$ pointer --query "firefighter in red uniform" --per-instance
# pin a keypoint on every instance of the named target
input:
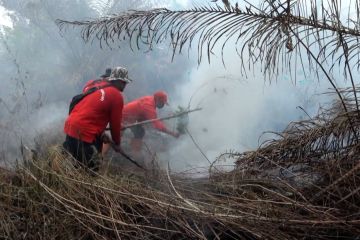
(88, 119)
(142, 109)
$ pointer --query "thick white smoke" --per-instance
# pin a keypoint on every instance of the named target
(236, 110)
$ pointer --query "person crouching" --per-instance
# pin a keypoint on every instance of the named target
(86, 123)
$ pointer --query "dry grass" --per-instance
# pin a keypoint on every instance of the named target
(302, 185)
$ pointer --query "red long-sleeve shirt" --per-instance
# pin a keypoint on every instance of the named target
(91, 115)
(142, 109)
(94, 83)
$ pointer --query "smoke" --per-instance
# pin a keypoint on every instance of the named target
(238, 110)
(5, 20)
(42, 69)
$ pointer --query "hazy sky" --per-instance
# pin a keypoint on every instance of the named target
(4, 18)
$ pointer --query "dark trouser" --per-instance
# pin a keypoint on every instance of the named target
(138, 131)
(136, 142)
(85, 153)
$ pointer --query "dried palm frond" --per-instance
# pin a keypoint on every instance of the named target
(317, 157)
(269, 30)
(42, 202)
(314, 33)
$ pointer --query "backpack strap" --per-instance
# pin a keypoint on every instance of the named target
(96, 81)
(93, 89)
(76, 99)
